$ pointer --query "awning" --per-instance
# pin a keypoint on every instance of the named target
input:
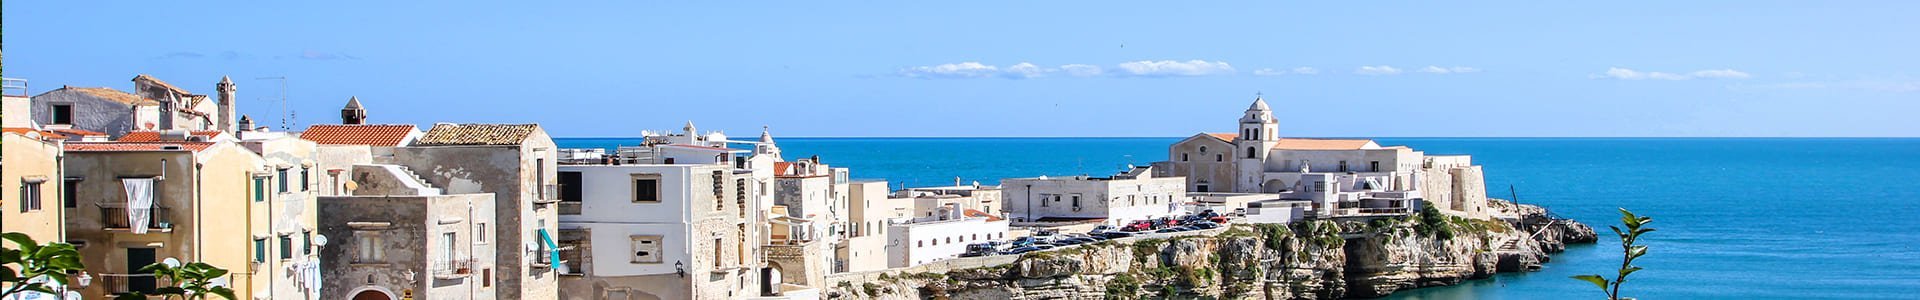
(553, 254)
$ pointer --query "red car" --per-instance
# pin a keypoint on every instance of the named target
(1142, 225)
(1218, 219)
(1168, 222)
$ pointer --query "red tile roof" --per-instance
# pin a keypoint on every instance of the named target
(137, 146)
(780, 168)
(1305, 144)
(977, 213)
(476, 134)
(154, 135)
(1322, 144)
(370, 135)
(25, 131)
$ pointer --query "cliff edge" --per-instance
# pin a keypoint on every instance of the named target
(1320, 259)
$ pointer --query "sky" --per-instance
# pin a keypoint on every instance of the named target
(1017, 68)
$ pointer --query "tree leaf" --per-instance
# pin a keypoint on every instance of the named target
(1627, 271)
(1595, 279)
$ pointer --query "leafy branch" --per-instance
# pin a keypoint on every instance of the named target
(37, 265)
(1636, 226)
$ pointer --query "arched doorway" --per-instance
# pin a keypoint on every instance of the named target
(371, 295)
(1275, 186)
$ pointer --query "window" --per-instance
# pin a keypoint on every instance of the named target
(259, 189)
(480, 233)
(29, 196)
(1373, 166)
(1343, 166)
(1183, 157)
(719, 191)
(1043, 199)
(286, 246)
(540, 177)
(646, 249)
(304, 181)
(919, 243)
(70, 192)
(718, 260)
(1219, 157)
(1076, 200)
(1250, 152)
(740, 196)
(570, 189)
(1203, 149)
(259, 250)
(445, 257)
(62, 114)
(306, 242)
(372, 248)
(646, 188)
(283, 180)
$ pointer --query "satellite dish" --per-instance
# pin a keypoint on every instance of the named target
(171, 262)
(320, 240)
(220, 282)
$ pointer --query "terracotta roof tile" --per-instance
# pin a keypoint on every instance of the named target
(156, 81)
(780, 168)
(44, 134)
(154, 135)
(371, 135)
(476, 134)
(977, 213)
(1322, 144)
(137, 146)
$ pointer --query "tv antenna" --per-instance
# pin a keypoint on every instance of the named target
(284, 117)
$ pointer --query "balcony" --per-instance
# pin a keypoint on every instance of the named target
(114, 217)
(127, 283)
(450, 269)
(571, 208)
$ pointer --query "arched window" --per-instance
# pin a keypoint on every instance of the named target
(1250, 152)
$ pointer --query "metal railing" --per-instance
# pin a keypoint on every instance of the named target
(8, 85)
(127, 283)
(114, 216)
(457, 267)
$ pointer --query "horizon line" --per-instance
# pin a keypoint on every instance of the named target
(1307, 137)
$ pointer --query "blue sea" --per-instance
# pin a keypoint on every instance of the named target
(1737, 218)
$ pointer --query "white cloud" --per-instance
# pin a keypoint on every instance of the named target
(1376, 70)
(1024, 70)
(1721, 73)
(960, 70)
(1447, 70)
(1196, 67)
(1630, 74)
(1079, 70)
(1293, 71)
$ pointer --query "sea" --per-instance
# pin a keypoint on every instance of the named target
(1736, 218)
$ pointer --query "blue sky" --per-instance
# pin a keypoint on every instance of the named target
(1022, 68)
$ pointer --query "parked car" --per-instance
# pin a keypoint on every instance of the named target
(1168, 222)
(980, 249)
(1167, 230)
(1120, 234)
(1207, 225)
(1021, 250)
(1141, 225)
(1025, 241)
(1097, 230)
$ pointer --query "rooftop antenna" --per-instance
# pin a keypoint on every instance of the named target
(284, 126)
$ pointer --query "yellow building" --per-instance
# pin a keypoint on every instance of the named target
(193, 197)
(30, 185)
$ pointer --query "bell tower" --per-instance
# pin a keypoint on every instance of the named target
(227, 121)
(1259, 133)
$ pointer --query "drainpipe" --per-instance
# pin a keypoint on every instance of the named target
(198, 241)
(253, 181)
(60, 173)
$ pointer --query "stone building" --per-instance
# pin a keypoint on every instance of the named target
(1359, 175)
(154, 105)
(34, 196)
(810, 218)
(515, 163)
(1134, 195)
(396, 237)
(353, 142)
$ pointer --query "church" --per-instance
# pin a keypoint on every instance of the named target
(1342, 176)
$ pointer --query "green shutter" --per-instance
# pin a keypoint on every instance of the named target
(553, 257)
(259, 189)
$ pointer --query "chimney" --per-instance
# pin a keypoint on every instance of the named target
(353, 114)
(246, 123)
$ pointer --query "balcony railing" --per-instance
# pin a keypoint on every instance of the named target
(114, 216)
(453, 268)
(127, 283)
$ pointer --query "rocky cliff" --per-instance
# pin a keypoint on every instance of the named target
(1322, 259)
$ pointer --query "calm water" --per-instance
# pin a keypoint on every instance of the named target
(1737, 218)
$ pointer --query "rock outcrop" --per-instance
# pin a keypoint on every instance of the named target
(1322, 259)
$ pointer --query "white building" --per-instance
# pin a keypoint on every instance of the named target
(1135, 195)
(944, 237)
(1359, 175)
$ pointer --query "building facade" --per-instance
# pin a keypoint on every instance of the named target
(34, 196)
(659, 231)
(1130, 196)
(515, 163)
(396, 237)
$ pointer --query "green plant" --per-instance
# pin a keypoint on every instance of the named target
(37, 264)
(1636, 226)
(190, 281)
(1148, 250)
(871, 289)
(1122, 286)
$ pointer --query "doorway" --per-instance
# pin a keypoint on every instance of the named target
(138, 258)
